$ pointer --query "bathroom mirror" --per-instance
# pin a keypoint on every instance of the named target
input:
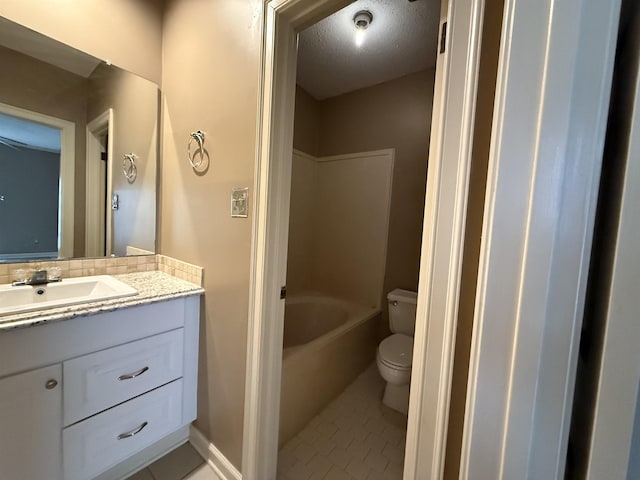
(78, 152)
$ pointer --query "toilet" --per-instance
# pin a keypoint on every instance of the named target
(396, 351)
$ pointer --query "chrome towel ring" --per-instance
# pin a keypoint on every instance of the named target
(198, 136)
(129, 168)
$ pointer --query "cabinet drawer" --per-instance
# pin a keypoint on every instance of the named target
(100, 380)
(92, 446)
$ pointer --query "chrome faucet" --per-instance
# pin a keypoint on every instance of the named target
(38, 277)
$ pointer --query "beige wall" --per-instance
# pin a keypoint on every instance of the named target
(43, 88)
(127, 32)
(210, 82)
(306, 129)
(395, 114)
(134, 101)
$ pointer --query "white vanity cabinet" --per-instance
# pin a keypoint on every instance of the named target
(78, 397)
(30, 422)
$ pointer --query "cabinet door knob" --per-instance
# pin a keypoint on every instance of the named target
(51, 384)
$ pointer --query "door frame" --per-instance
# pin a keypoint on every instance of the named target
(551, 109)
(444, 223)
(103, 123)
(615, 420)
(67, 172)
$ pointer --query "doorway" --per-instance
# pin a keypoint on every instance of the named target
(362, 120)
(98, 220)
(440, 264)
(37, 194)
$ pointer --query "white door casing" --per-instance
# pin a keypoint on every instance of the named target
(450, 155)
(95, 234)
(616, 403)
(554, 82)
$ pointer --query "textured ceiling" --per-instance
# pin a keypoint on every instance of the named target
(401, 39)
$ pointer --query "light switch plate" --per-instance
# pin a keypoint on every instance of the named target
(240, 202)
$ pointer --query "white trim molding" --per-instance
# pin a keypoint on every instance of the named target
(95, 246)
(552, 96)
(222, 467)
(614, 437)
(450, 155)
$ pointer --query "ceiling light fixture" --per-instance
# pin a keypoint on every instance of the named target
(361, 20)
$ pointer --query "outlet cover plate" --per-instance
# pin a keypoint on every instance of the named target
(240, 202)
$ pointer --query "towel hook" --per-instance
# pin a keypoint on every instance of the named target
(198, 136)
(129, 168)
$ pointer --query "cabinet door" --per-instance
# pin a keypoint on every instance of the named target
(31, 425)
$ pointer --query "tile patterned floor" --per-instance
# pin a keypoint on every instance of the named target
(354, 437)
(183, 463)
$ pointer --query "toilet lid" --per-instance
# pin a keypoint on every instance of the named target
(397, 350)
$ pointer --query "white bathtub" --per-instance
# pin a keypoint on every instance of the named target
(327, 343)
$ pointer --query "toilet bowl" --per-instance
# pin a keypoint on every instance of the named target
(396, 351)
(394, 364)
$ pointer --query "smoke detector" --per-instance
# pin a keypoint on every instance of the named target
(362, 19)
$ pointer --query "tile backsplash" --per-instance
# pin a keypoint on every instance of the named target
(109, 266)
(183, 270)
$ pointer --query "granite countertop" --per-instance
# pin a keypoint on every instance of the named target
(152, 287)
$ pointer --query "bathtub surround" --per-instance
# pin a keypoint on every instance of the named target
(338, 225)
(339, 219)
(395, 114)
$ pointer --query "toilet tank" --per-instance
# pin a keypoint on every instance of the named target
(402, 311)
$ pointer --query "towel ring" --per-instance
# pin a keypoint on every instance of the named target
(129, 168)
(198, 136)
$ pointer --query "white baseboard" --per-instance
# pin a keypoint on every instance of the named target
(214, 457)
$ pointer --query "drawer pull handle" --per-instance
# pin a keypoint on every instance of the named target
(129, 376)
(133, 432)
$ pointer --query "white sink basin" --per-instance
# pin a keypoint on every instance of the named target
(69, 291)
